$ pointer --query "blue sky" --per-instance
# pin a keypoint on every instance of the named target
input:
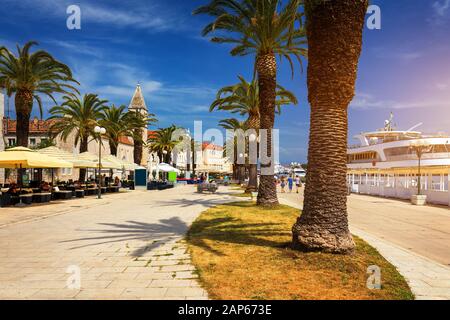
(404, 68)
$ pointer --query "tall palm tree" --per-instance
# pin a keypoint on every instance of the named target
(139, 124)
(28, 76)
(163, 144)
(334, 35)
(243, 98)
(238, 127)
(118, 123)
(77, 116)
(263, 28)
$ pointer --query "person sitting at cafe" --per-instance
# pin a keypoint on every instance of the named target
(117, 182)
(77, 185)
(45, 186)
(13, 190)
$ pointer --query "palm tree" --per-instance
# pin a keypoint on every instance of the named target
(163, 144)
(118, 123)
(28, 76)
(77, 116)
(243, 98)
(238, 127)
(139, 123)
(335, 36)
(263, 28)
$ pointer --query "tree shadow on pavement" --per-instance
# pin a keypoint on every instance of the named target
(155, 234)
(185, 203)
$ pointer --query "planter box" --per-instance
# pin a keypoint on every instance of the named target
(419, 200)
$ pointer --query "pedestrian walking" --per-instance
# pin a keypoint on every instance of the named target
(290, 184)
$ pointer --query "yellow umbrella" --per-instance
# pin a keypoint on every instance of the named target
(123, 164)
(67, 156)
(106, 164)
(25, 158)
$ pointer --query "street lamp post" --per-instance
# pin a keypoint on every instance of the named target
(100, 131)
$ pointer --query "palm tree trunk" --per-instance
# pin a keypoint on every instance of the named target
(83, 148)
(113, 148)
(24, 105)
(266, 66)
(334, 30)
(138, 148)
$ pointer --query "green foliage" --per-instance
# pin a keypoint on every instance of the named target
(243, 98)
(37, 73)
(258, 27)
(79, 115)
(163, 143)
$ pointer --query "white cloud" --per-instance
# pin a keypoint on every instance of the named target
(441, 7)
(395, 54)
(149, 16)
(364, 101)
(440, 12)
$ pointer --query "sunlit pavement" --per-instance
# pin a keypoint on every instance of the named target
(125, 246)
(415, 239)
(128, 246)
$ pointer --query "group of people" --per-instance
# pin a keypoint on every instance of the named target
(290, 182)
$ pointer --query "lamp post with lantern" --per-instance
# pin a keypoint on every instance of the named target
(99, 131)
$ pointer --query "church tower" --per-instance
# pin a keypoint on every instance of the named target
(138, 105)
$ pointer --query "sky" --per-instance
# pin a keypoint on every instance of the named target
(404, 67)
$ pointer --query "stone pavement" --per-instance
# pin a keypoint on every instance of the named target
(127, 246)
(401, 233)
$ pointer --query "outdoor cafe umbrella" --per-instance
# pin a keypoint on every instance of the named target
(164, 167)
(106, 164)
(67, 156)
(24, 158)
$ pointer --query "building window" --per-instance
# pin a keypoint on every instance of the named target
(32, 141)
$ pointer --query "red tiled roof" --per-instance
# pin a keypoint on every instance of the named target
(36, 126)
(211, 146)
(151, 134)
(126, 140)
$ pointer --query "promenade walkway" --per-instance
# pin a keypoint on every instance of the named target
(125, 246)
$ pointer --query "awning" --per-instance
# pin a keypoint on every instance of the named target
(164, 167)
(67, 156)
(21, 157)
(123, 164)
(106, 164)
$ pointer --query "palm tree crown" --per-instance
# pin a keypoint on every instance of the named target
(119, 123)
(258, 27)
(29, 75)
(79, 115)
(243, 98)
(162, 143)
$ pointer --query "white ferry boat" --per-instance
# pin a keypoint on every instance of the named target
(386, 163)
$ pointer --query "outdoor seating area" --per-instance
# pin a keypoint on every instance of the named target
(25, 192)
(11, 195)
(159, 185)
